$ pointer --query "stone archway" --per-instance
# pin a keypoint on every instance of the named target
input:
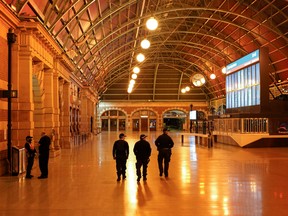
(144, 119)
(113, 120)
(175, 119)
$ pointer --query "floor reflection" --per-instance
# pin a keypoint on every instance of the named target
(223, 180)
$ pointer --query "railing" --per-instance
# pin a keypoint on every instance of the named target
(241, 125)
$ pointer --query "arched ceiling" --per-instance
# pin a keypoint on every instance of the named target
(102, 39)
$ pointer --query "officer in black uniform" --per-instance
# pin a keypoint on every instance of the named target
(30, 153)
(44, 147)
(164, 144)
(120, 153)
(142, 151)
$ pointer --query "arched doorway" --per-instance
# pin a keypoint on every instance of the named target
(175, 120)
(113, 120)
(144, 120)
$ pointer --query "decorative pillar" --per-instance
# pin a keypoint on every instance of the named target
(83, 108)
(65, 115)
(48, 105)
(38, 92)
(23, 106)
(56, 111)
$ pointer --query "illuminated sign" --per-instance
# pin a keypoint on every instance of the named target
(245, 61)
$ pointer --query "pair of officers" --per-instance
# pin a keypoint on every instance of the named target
(44, 146)
(142, 151)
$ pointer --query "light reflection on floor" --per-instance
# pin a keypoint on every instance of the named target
(223, 180)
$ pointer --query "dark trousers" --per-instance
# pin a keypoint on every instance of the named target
(164, 154)
(139, 164)
(30, 162)
(121, 166)
(43, 165)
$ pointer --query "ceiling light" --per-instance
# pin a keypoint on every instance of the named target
(136, 70)
(183, 90)
(152, 24)
(132, 82)
(140, 57)
(212, 76)
(145, 44)
(134, 76)
(129, 90)
(187, 88)
(224, 70)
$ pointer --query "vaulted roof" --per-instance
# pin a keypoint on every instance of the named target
(102, 39)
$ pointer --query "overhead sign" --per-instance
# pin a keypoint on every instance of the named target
(249, 59)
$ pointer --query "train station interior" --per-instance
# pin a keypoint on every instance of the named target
(214, 73)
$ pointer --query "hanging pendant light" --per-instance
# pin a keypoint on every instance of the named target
(212, 76)
(152, 24)
(134, 76)
(136, 70)
(145, 44)
(140, 57)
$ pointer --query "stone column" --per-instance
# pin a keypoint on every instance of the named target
(56, 110)
(83, 108)
(65, 123)
(38, 92)
(61, 113)
(23, 106)
(48, 108)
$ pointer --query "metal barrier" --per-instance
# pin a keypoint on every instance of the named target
(18, 160)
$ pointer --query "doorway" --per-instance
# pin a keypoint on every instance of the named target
(144, 124)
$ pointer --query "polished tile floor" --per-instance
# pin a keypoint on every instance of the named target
(223, 180)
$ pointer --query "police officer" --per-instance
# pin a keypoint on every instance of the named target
(142, 151)
(164, 144)
(44, 146)
(30, 153)
(120, 153)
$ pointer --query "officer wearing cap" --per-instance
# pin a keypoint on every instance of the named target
(164, 144)
(30, 154)
(120, 153)
(142, 151)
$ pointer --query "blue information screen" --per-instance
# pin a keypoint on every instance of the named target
(243, 82)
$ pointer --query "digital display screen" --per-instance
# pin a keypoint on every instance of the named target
(243, 82)
(245, 61)
(243, 87)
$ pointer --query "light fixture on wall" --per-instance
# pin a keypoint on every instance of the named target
(145, 44)
(152, 24)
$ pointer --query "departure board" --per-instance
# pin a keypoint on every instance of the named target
(243, 87)
(243, 82)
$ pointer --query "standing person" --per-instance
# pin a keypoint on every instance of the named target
(164, 144)
(30, 153)
(44, 145)
(120, 154)
(142, 151)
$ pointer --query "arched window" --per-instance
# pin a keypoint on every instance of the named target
(113, 120)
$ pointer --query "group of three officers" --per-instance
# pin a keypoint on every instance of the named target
(142, 151)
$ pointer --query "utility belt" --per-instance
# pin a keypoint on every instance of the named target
(164, 149)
